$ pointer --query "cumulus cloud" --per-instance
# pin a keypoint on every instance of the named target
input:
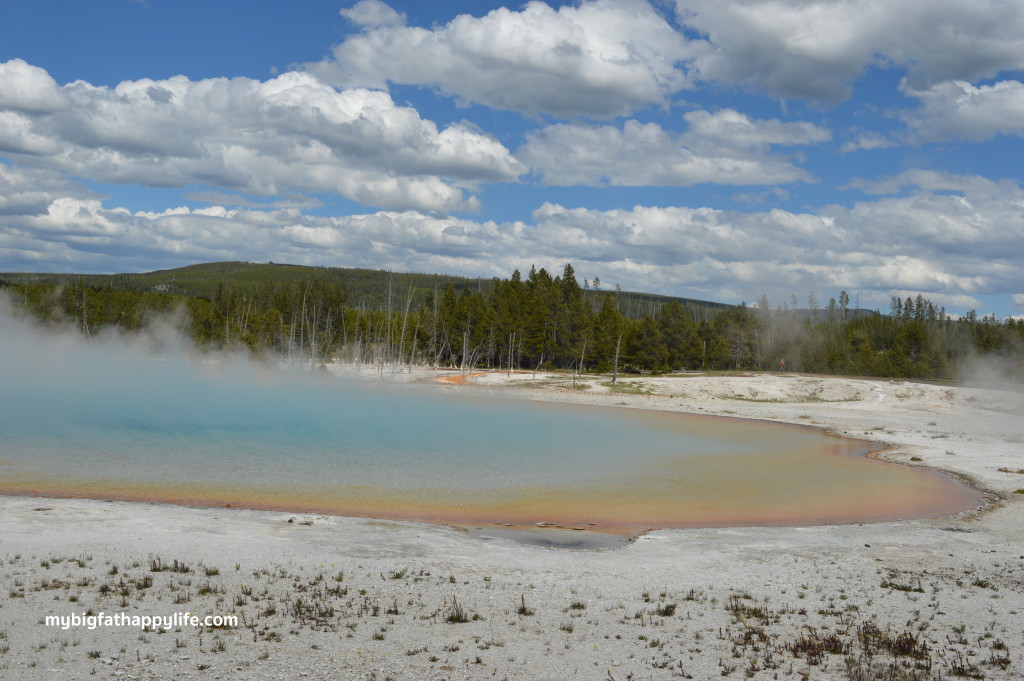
(26, 192)
(52, 224)
(290, 133)
(935, 181)
(373, 14)
(725, 147)
(869, 140)
(601, 58)
(814, 50)
(28, 88)
(729, 128)
(950, 237)
(607, 58)
(949, 248)
(959, 110)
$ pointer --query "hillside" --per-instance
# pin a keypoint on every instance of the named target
(540, 320)
(365, 288)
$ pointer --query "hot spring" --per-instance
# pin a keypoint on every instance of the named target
(106, 421)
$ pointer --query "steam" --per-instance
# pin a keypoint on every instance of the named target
(988, 371)
(131, 401)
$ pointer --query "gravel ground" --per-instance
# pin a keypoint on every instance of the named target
(325, 597)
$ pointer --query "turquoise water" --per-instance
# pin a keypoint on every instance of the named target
(175, 422)
(105, 419)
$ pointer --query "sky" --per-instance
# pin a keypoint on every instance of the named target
(714, 149)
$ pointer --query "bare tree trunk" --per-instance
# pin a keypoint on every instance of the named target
(387, 331)
(405, 321)
(615, 367)
(415, 335)
(577, 370)
(302, 326)
(511, 352)
(312, 336)
(85, 316)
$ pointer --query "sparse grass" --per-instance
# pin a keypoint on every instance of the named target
(628, 388)
(836, 627)
(456, 614)
(157, 565)
(896, 586)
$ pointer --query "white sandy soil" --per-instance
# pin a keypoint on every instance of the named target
(348, 598)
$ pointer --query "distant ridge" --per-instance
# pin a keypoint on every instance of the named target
(365, 287)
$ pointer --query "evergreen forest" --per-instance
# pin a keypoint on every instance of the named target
(536, 321)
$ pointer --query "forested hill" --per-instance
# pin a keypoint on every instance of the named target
(364, 288)
(536, 320)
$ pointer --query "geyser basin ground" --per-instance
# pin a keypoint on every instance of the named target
(119, 425)
(829, 579)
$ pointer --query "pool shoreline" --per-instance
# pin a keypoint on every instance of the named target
(669, 602)
(518, 525)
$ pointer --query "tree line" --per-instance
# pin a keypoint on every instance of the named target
(539, 321)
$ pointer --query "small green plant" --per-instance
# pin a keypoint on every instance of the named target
(457, 614)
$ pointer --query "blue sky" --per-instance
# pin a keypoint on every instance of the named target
(719, 149)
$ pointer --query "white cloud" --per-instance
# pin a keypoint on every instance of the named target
(24, 87)
(934, 181)
(814, 50)
(956, 109)
(373, 14)
(869, 140)
(606, 58)
(1018, 299)
(952, 238)
(25, 192)
(725, 147)
(729, 128)
(290, 133)
(225, 199)
(601, 58)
